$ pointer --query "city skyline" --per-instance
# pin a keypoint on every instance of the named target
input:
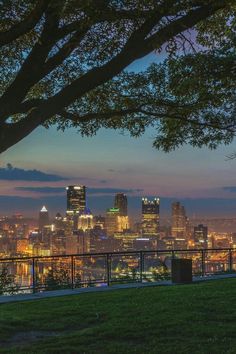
(101, 199)
(165, 176)
(201, 178)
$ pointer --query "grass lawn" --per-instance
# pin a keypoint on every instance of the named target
(198, 318)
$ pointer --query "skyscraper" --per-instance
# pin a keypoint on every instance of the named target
(85, 221)
(121, 203)
(58, 221)
(200, 235)
(122, 223)
(179, 220)
(112, 221)
(150, 217)
(76, 199)
(43, 218)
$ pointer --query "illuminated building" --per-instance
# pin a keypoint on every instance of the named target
(43, 218)
(143, 243)
(121, 203)
(127, 240)
(25, 230)
(98, 239)
(150, 217)
(220, 240)
(180, 243)
(41, 250)
(166, 243)
(69, 224)
(83, 241)
(58, 221)
(112, 221)
(85, 221)
(22, 245)
(179, 220)
(58, 243)
(200, 234)
(71, 244)
(76, 199)
(233, 239)
(35, 236)
(122, 223)
(131, 241)
(99, 221)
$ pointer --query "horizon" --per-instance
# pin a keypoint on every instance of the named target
(201, 178)
(100, 199)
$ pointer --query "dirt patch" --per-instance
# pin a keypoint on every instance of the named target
(22, 338)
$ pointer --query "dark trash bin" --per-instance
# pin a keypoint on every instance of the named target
(181, 270)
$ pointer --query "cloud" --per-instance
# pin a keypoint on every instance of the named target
(11, 173)
(204, 207)
(30, 206)
(90, 191)
(103, 181)
(112, 190)
(195, 207)
(43, 190)
(231, 189)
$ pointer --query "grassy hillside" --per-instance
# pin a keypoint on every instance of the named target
(198, 318)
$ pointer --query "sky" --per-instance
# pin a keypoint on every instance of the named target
(44, 163)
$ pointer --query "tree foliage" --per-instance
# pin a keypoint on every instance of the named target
(8, 283)
(64, 63)
(57, 278)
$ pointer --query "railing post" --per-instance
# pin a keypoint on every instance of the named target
(141, 266)
(230, 260)
(203, 262)
(108, 268)
(72, 272)
(33, 275)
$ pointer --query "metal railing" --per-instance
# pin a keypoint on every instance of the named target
(39, 273)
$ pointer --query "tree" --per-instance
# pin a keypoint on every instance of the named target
(8, 283)
(57, 278)
(64, 63)
(161, 273)
(78, 280)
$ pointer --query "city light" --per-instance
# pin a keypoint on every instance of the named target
(79, 231)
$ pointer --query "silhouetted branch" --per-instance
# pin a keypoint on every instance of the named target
(25, 25)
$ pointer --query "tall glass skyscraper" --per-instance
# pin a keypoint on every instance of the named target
(76, 199)
(150, 217)
(121, 203)
(179, 220)
(43, 218)
(200, 236)
(112, 221)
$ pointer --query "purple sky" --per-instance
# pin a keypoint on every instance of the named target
(114, 161)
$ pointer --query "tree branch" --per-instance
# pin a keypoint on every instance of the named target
(180, 25)
(101, 115)
(119, 114)
(31, 69)
(26, 25)
(141, 42)
(63, 52)
(136, 47)
(228, 128)
(12, 133)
